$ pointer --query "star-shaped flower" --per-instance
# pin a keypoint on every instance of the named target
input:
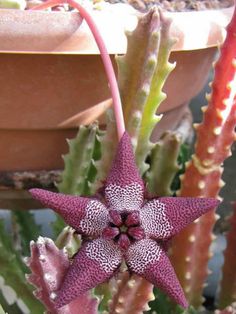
(126, 226)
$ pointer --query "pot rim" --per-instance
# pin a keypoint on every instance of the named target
(63, 32)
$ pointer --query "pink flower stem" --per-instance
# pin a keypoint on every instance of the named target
(104, 54)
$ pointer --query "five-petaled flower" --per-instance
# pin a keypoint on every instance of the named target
(125, 226)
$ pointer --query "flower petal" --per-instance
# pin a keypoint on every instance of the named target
(87, 216)
(154, 220)
(147, 259)
(164, 217)
(124, 187)
(95, 263)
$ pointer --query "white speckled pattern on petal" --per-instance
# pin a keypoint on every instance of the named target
(129, 197)
(141, 254)
(106, 253)
(154, 220)
(95, 220)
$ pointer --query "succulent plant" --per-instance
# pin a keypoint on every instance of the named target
(121, 218)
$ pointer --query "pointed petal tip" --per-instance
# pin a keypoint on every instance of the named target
(94, 264)
(208, 202)
(183, 303)
(40, 194)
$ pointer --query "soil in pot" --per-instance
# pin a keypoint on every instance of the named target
(178, 5)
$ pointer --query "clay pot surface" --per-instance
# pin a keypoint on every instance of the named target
(51, 76)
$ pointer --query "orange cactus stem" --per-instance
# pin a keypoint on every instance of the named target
(190, 252)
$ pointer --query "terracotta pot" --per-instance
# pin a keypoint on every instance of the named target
(51, 75)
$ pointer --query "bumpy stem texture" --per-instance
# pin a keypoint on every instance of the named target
(163, 161)
(136, 69)
(130, 295)
(78, 161)
(155, 94)
(228, 282)
(142, 74)
(203, 174)
(49, 265)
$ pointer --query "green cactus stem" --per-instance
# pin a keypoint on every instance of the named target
(142, 72)
(130, 295)
(190, 252)
(49, 265)
(163, 164)
(155, 95)
(228, 282)
(13, 4)
(78, 161)
(136, 69)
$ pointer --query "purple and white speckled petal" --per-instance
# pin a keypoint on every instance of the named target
(154, 220)
(147, 259)
(85, 215)
(95, 263)
(124, 177)
(181, 211)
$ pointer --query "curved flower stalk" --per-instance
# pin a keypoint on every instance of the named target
(215, 136)
(228, 282)
(123, 227)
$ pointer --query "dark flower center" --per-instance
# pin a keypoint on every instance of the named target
(124, 228)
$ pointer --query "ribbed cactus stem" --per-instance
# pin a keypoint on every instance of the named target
(142, 73)
(163, 164)
(78, 161)
(155, 95)
(136, 69)
(215, 136)
(130, 295)
(228, 282)
(49, 265)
